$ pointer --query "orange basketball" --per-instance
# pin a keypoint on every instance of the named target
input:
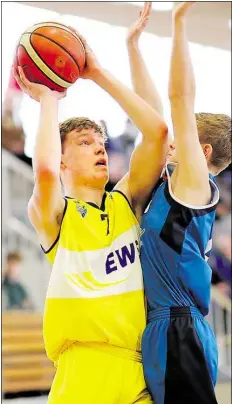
(51, 54)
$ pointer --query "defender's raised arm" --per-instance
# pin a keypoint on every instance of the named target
(142, 82)
(192, 183)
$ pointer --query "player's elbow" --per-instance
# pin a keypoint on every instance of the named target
(161, 132)
(45, 174)
(46, 177)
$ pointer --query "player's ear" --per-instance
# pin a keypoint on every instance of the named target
(62, 163)
(208, 150)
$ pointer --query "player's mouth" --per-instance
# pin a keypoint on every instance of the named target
(101, 163)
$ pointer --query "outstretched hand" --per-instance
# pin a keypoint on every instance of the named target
(34, 90)
(92, 66)
(138, 26)
(182, 9)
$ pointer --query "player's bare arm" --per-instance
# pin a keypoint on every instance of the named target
(142, 82)
(148, 159)
(191, 182)
(46, 205)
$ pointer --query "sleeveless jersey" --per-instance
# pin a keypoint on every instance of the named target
(175, 246)
(95, 293)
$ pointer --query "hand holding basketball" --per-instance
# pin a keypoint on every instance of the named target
(35, 91)
(137, 28)
(182, 9)
(92, 66)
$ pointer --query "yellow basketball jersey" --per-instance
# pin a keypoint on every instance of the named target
(95, 293)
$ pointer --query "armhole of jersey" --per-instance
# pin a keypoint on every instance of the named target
(157, 185)
(211, 205)
(125, 197)
(58, 236)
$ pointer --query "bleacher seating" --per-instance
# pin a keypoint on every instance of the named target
(25, 366)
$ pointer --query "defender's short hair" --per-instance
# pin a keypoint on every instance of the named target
(215, 129)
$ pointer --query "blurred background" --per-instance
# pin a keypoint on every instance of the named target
(27, 374)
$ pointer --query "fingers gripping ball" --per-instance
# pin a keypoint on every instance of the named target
(51, 54)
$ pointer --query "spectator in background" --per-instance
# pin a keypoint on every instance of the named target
(117, 158)
(17, 297)
(220, 259)
(220, 262)
(127, 140)
(13, 99)
(13, 137)
(117, 165)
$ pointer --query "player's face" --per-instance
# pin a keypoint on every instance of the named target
(172, 157)
(85, 159)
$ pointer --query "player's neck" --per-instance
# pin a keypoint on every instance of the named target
(86, 193)
(213, 171)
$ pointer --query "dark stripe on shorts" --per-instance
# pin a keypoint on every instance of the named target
(187, 378)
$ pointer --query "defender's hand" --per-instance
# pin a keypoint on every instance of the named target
(34, 90)
(182, 9)
(92, 66)
(137, 28)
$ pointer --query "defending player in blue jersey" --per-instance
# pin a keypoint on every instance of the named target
(179, 348)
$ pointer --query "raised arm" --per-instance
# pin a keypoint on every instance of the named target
(192, 181)
(149, 157)
(142, 82)
(46, 204)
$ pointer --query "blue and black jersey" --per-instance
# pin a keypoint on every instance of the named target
(176, 244)
(178, 346)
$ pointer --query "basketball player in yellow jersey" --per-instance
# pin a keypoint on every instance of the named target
(94, 313)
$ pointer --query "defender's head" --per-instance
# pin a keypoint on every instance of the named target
(84, 160)
(214, 132)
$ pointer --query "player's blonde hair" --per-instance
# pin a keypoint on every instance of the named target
(215, 129)
(79, 124)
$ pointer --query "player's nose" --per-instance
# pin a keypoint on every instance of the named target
(99, 149)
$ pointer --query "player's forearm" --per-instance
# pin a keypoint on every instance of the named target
(47, 151)
(142, 83)
(182, 98)
(147, 120)
(181, 80)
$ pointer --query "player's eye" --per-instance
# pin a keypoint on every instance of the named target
(84, 142)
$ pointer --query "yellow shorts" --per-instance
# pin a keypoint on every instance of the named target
(98, 374)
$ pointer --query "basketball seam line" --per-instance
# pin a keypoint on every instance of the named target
(52, 40)
(49, 72)
(47, 66)
(62, 27)
(71, 82)
(41, 70)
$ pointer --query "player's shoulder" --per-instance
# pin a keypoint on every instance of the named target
(121, 192)
(188, 198)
